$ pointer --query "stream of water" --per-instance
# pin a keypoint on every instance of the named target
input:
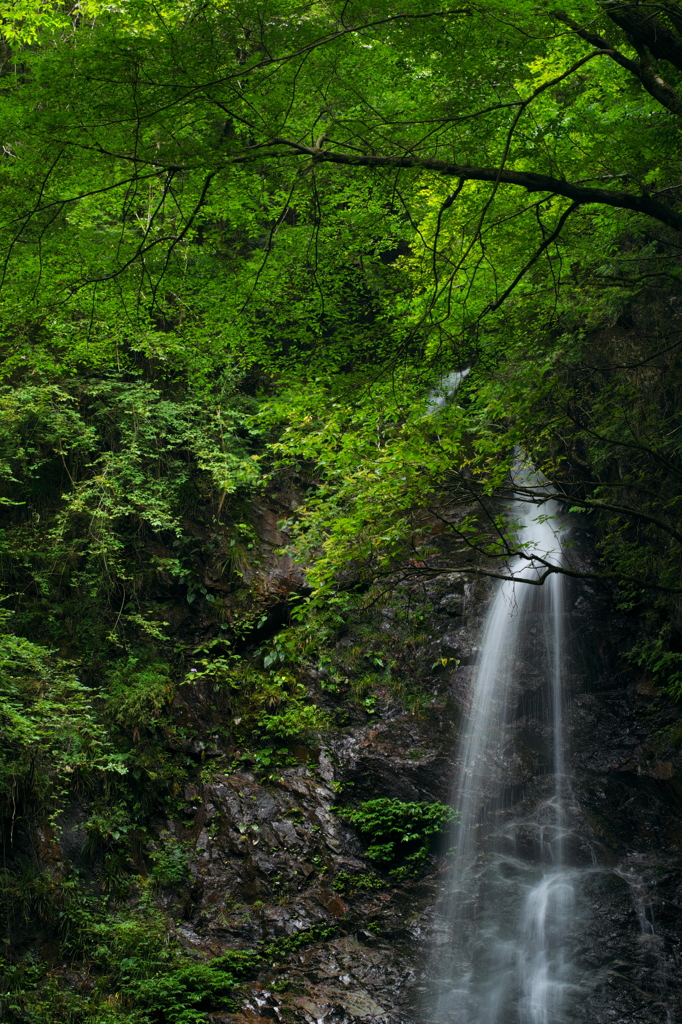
(521, 973)
(528, 905)
(510, 893)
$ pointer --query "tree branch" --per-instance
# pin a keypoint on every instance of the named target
(603, 506)
(534, 258)
(653, 83)
(524, 179)
(550, 570)
(642, 28)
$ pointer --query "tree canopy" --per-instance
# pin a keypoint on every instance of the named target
(351, 202)
(236, 177)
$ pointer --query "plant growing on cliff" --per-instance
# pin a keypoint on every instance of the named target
(170, 860)
(400, 835)
(295, 720)
(48, 728)
(135, 972)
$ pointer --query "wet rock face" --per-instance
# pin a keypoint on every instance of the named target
(267, 853)
(626, 770)
(627, 788)
(266, 857)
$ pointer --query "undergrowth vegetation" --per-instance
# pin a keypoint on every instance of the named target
(128, 967)
(400, 835)
(132, 580)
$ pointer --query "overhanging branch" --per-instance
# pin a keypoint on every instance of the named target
(528, 180)
(654, 84)
(601, 506)
(432, 572)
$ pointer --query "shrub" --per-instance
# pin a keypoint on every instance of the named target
(400, 834)
(183, 993)
(137, 691)
(296, 719)
(171, 862)
(347, 883)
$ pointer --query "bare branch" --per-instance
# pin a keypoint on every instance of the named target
(433, 572)
(536, 255)
(605, 506)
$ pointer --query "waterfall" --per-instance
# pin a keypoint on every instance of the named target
(547, 913)
(510, 894)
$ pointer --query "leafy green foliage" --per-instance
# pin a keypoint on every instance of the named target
(400, 835)
(182, 229)
(104, 466)
(136, 692)
(138, 974)
(271, 704)
(281, 948)
(171, 861)
(182, 995)
(297, 719)
(347, 883)
(48, 728)
(665, 665)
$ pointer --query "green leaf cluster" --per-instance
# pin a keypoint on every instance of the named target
(400, 835)
(138, 975)
(247, 251)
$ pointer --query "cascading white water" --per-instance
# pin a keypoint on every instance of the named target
(524, 932)
(510, 893)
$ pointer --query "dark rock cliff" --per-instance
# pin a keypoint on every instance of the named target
(273, 862)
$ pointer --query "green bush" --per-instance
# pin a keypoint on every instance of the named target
(171, 862)
(137, 692)
(294, 720)
(137, 974)
(182, 993)
(665, 665)
(400, 834)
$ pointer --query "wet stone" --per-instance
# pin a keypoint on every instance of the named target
(394, 956)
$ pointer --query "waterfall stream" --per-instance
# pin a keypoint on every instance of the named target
(538, 923)
(510, 893)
